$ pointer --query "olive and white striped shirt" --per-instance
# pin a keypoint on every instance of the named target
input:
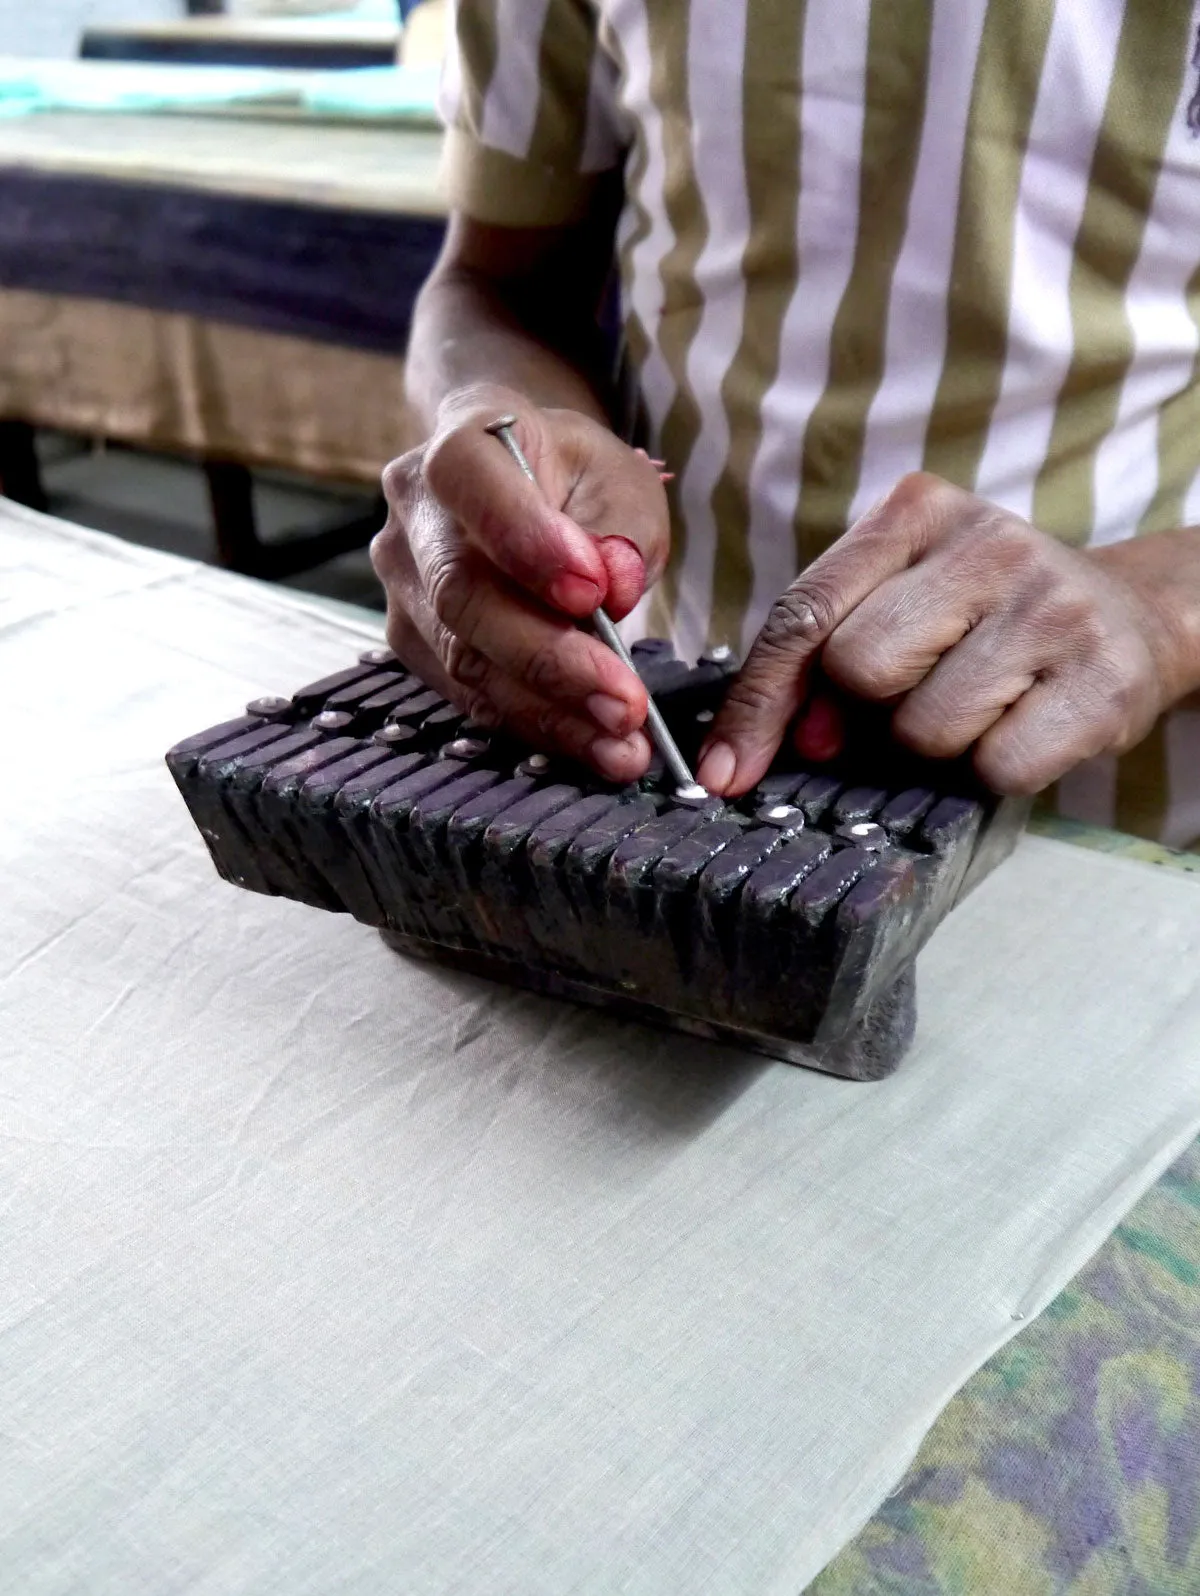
(867, 236)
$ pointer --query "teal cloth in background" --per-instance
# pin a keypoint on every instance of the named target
(404, 94)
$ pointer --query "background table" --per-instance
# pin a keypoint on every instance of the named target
(317, 42)
(235, 289)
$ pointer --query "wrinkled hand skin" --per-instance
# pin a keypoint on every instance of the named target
(981, 631)
(487, 576)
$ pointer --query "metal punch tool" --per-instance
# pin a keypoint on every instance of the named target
(686, 783)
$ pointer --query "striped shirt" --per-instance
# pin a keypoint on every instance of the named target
(863, 237)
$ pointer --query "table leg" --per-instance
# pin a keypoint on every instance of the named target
(239, 547)
(20, 475)
(231, 499)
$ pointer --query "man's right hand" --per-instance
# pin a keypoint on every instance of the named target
(486, 575)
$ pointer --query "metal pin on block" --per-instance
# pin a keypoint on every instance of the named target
(331, 720)
(863, 834)
(657, 727)
(269, 704)
(784, 817)
(465, 748)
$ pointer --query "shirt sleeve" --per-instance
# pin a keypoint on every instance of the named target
(529, 99)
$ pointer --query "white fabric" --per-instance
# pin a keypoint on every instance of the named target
(322, 1271)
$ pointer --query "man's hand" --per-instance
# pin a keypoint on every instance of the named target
(979, 629)
(486, 575)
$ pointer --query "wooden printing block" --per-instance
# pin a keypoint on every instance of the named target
(442, 724)
(816, 796)
(906, 810)
(183, 761)
(448, 912)
(351, 869)
(636, 961)
(718, 898)
(586, 863)
(765, 978)
(857, 803)
(313, 826)
(676, 915)
(309, 700)
(276, 807)
(553, 921)
(463, 840)
(415, 708)
(505, 877)
(234, 853)
(733, 924)
(389, 861)
(238, 786)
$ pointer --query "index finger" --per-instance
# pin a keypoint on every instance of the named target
(772, 685)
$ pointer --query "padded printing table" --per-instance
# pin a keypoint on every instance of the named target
(236, 289)
(324, 1270)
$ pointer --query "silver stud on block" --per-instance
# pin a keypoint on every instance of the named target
(465, 748)
(269, 704)
(784, 817)
(864, 834)
(722, 654)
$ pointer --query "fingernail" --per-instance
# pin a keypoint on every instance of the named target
(575, 594)
(717, 766)
(818, 732)
(626, 569)
(616, 757)
(608, 711)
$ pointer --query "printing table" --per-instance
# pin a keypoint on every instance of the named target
(304, 42)
(319, 1271)
(238, 290)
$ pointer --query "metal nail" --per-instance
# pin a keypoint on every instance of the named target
(864, 834)
(655, 725)
(465, 748)
(269, 704)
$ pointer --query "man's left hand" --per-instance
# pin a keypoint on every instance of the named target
(979, 629)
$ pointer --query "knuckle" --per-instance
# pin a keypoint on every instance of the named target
(400, 477)
(544, 671)
(1065, 612)
(801, 618)
(861, 661)
(924, 499)
(1020, 550)
(448, 587)
(927, 730)
(383, 551)
(442, 465)
(919, 490)
(463, 664)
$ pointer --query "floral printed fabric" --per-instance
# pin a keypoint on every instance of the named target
(1070, 1464)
